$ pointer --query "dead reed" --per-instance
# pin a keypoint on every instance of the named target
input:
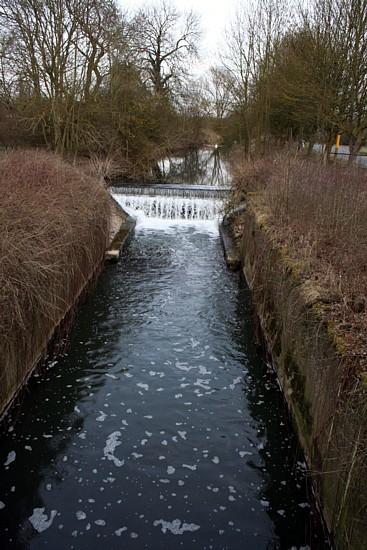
(54, 224)
(319, 214)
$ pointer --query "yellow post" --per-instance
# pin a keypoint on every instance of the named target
(337, 143)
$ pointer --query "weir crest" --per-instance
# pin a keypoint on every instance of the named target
(172, 202)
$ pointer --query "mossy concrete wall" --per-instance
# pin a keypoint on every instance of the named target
(327, 402)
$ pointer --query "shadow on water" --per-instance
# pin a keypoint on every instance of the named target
(46, 417)
(287, 489)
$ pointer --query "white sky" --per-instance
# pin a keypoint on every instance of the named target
(215, 16)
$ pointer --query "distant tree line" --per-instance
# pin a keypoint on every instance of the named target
(81, 76)
(291, 72)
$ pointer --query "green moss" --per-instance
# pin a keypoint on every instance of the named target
(277, 345)
(364, 380)
(297, 383)
(292, 266)
(337, 339)
(318, 309)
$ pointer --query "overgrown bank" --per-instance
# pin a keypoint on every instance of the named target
(302, 241)
(54, 228)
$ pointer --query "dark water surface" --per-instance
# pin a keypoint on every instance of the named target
(199, 167)
(161, 427)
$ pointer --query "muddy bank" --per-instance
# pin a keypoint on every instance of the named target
(327, 401)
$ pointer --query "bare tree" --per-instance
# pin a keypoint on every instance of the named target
(167, 41)
(239, 61)
(218, 90)
(6, 79)
(249, 57)
(60, 55)
(325, 71)
(82, 76)
(353, 84)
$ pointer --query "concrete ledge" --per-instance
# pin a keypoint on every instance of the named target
(123, 226)
(231, 252)
(112, 255)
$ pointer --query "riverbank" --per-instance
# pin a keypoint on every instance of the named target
(54, 230)
(302, 246)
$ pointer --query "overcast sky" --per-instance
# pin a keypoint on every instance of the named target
(215, 15)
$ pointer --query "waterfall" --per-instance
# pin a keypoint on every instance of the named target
(170, 207)
(173, 190)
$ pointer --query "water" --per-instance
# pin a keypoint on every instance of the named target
(161, 427)
(204, 166)
(183, 191)
(170, 207)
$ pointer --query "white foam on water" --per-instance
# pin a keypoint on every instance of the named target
(176, 527)
(189, 467)
(165, 213)
(183, 366)
(143, 386)
(40, 521)
(109, 449)
(119, 532)
(11, 457)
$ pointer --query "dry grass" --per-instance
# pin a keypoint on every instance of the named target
(319, 214)
(54, 224)
(316, 215)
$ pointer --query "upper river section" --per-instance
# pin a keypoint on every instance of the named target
(162, 426)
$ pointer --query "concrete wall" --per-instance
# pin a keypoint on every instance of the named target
(327, 403)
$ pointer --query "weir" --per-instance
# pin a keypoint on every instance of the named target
(173, 190)
(168, 204)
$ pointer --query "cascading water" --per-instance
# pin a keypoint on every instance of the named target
(173, 190)
(170, 208)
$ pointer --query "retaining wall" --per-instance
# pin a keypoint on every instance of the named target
(327, 402)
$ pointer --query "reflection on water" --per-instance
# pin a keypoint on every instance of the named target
(200, 167)
(162, 427)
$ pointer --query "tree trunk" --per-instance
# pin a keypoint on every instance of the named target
(354, 147)
(311, 143)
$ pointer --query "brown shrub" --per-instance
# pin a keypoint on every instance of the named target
(248, 174)
(54, 224)
(319, 213)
